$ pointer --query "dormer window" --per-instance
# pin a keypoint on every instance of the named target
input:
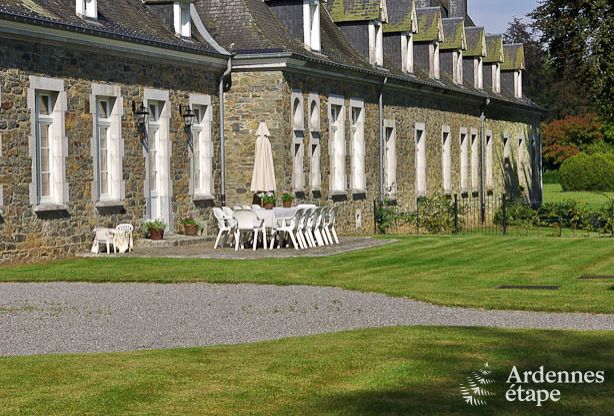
(434, 60)
(87, 9)
(311, 24)
(478, 74)
(496, 78)
(183, 23)
(457, 63)
(407, 52)
(376, 43)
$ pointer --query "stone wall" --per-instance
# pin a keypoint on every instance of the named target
(27, 236)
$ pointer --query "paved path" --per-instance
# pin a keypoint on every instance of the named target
(40, 318)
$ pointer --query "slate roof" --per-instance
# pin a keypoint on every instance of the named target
(401, 16)
(476, 42)
(355, 10)
(127, 20)
(454, 34)
(429, 25)
(249, 26)
(494, 49)
(513, 57)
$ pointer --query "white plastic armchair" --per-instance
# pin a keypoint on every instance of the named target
(286, 227)
(332, 222)
(127, 230)
(248, 222)
(225, 225)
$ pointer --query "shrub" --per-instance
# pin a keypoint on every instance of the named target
(586, 172)
(568, 137)
(436, 214)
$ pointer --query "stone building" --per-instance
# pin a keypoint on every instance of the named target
(364, 99)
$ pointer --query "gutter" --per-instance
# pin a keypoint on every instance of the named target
(482, 160)
(222, 89)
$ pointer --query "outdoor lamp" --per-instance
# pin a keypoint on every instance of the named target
(142, 116)
(188, 118)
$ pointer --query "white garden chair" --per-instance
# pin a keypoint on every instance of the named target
(103, 236)
(127, 230)
(300, 225)
(286, 227)
(225, 224)
(317, 226)
(248, 222)
(332, 222)
(307, 227)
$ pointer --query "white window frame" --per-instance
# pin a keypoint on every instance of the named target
(115, 154)
(475, 160)
(464, 159)
(478, 74)
(488, 149)
(457, 63)
(358, 179)
(407, 52)
(376, 43)
(507, 154)
(518, 83)
(165, 150)
(337, 146)
(58, 142)
(311, 24)
(521, 152)
(496, 78)
(182, 20)
(446, 159)
(297, 147)
(202, 154)
(434, 61)
(87, 8)
(315, 148)
(390, 159)
(420, 160)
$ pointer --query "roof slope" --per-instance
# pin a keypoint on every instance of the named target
(430, 27)
(494, 49)
(126, 20)
(355, 10)
(249, 26)
(476, 41)
(453, 33)
(513, 57)
(401, 16)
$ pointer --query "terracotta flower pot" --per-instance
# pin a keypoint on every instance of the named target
(156, 234)
(287, 204)
(190, 229)
(268, 205)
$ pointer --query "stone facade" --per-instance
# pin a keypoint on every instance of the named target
(29, 236)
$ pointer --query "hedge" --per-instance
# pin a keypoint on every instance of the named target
(588, 172)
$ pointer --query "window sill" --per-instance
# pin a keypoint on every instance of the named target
(109, 204)
(202, 197)
(42, 208)
(359, 194)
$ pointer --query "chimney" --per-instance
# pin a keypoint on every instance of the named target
(458, 8)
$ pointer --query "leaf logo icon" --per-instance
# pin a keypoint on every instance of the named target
(474, 391)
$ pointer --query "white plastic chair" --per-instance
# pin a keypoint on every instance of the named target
(317, 226)
(103, 236)
(247, 221)
(127, 230)
(224, 224)
(307, 227)
(285, 227)
(332, 221)
(300, 224)
(326, 224)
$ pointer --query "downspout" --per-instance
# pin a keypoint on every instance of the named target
(222, 139)
(482, 160)
(381, 141)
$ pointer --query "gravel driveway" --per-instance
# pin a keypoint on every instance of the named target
(41, 318)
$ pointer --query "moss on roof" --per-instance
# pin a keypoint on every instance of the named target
(513, 57)
(494, 49)
(429, 25)
(476, 41)
(401, 16)
(454, 34)
(355, 10)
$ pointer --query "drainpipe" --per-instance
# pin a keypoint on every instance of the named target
(381, 140)
(482, 160)
(222, 140)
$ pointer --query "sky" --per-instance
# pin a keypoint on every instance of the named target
(496, 14)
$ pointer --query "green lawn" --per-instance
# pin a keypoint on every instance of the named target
(390, 371)
(554, 193)
(449, 270)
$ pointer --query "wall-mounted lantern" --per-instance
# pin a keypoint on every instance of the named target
(142, 116)
(188, 119)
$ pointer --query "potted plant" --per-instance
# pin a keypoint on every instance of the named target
(287, 199)
(154, 229)
(190, 226)
(268, 200)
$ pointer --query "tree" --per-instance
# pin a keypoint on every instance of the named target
(536, 75)
(577, 35)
